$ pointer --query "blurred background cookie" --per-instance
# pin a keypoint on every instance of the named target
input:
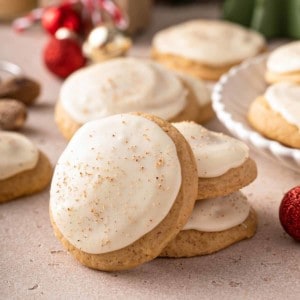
(283, 64)
(129, 84)
(205, 49)
(276, 113)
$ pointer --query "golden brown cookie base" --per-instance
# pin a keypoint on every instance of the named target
(152, 243)
(192, 112)
(65, 123)
(191, 67)
(190, 243)
(277, 77)
(194, 68)
(27, 182)
(271, 124)
(231, 181)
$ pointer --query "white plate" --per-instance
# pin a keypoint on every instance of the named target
(232, 96)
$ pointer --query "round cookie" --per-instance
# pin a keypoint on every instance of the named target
(129, 84)
(122, 189)
(214, 225)
(276, 114)
(283, 64)
(24, 170)
(232, 180)
(223, 162)
(205, 49)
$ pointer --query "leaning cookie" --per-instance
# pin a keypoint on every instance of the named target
(223, 162)
(205, 49)
(24, 170)
(276, 114)
(283, 64)
(124, 85)
(122, 190)
(215, 224)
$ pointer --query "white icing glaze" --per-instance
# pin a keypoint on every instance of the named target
(285, 59)
(218, 214)
(212, 42)
(284, 98)
(117, 180)
(122, 85)
(17, 154)
(197, 87)
(215, 153)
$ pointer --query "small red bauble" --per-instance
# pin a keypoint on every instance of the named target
(61, 16)
(289, 213)
(63, 57)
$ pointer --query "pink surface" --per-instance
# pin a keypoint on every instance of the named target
(33, 263)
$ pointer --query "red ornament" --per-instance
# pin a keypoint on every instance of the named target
(63, 57)
(61, 16)
(289, 213)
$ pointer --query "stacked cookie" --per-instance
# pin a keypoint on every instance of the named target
(124, 189)
(130, 84)
(24, 169)
(205, 49)
(221, 216)
(276, 113)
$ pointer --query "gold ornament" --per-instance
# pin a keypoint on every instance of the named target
(105, 42)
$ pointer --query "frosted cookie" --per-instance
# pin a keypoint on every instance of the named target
(24, 170)
(129, 84)
(276, 113)
(223, 162)
(214, 225)
(118, 198)
(205, 49)
(283, 64)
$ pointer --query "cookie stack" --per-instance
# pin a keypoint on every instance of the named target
(276, 113)
(124, 191)
(221, 216)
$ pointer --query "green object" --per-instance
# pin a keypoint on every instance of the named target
(238, 11)
(273, 18)
(269, 17)
(293, 18)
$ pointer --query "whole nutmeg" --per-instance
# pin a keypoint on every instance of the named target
(20, 88)
(13, 114)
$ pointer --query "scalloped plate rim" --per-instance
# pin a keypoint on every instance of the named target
(287, 156)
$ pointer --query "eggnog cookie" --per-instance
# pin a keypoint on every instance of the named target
(117, 198)
(283, 64)
(214, 225)
(205, 49)
(24, 170)
(129, 84)
(223, 162)
(276, 114)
